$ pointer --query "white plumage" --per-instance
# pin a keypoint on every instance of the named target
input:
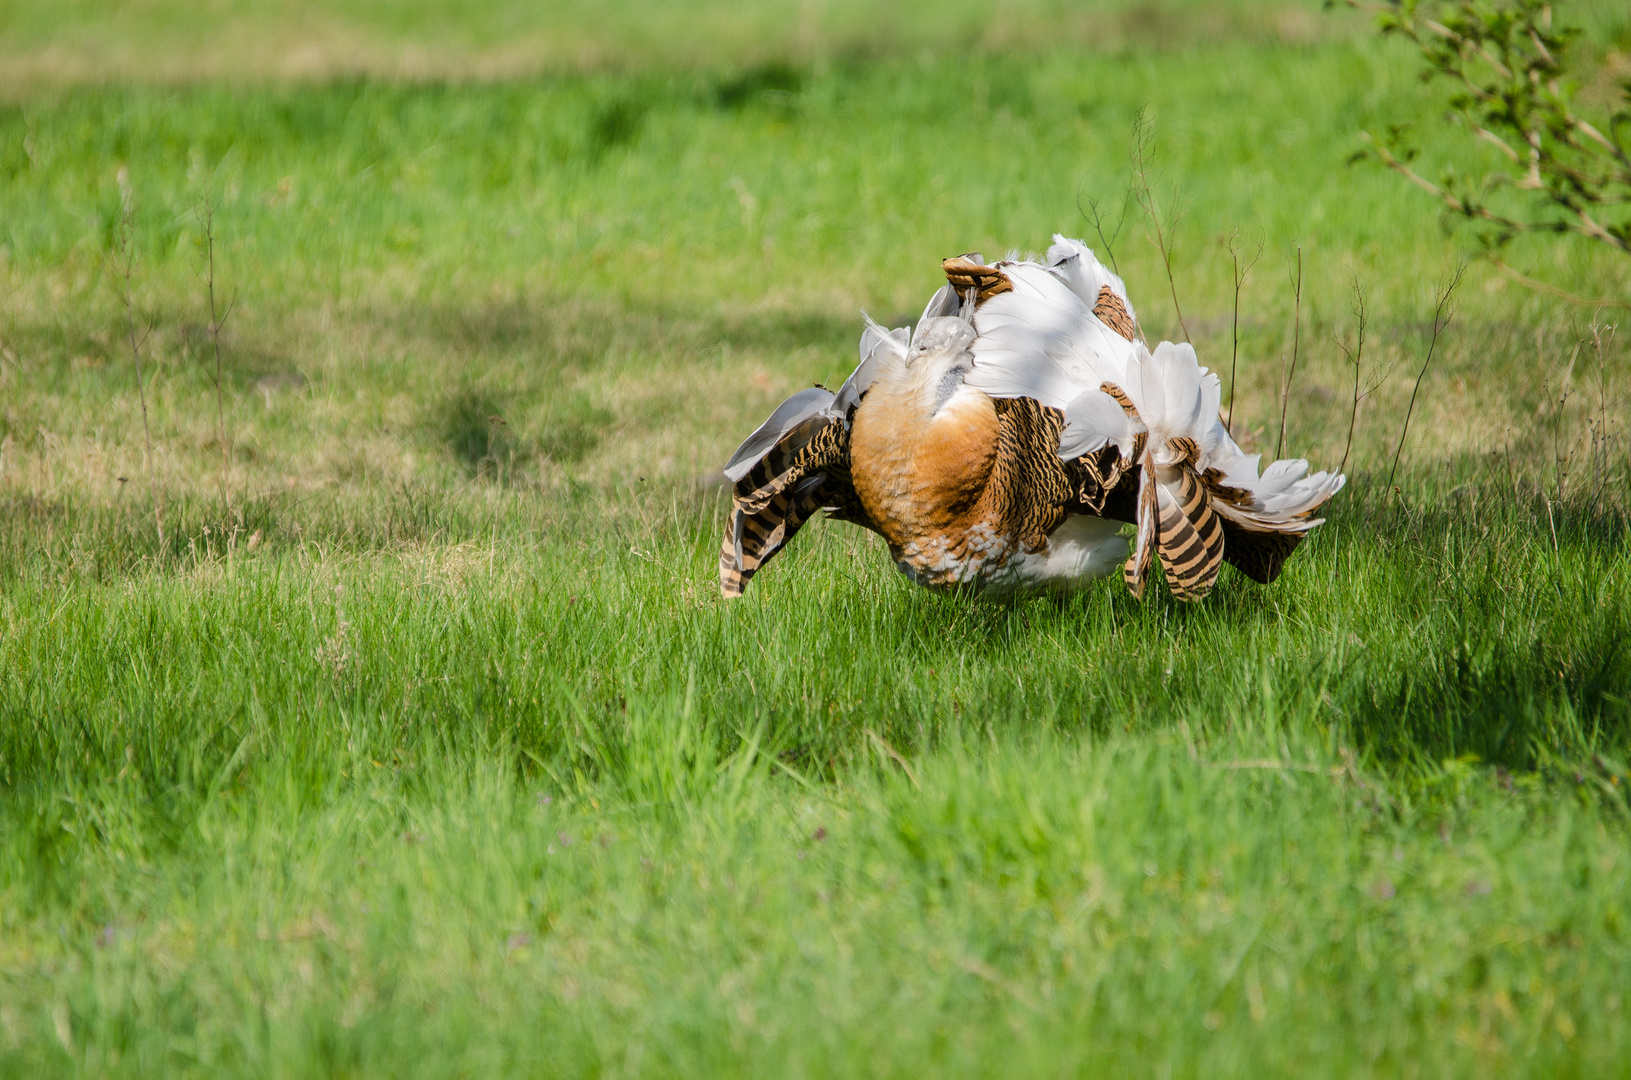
(1042, 340)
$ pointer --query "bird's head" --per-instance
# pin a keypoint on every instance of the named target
(941, 342)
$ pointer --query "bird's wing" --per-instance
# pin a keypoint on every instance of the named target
(1141, 435)
(796, 463)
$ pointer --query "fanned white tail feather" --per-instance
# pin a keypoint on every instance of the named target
(1178, 399)
(1283, 497)
(1049, 337)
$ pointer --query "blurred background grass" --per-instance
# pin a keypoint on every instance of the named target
(165, 41)
(627, 268)
(420, 743)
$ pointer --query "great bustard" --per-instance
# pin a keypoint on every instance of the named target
(1000, 445)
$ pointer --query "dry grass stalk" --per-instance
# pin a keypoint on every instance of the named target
(1296, 346)
(1236, 249)
(1443, 312)
(1363, 388)
(1602, 442)
(1357, 359)
(1143, 152)
(218, 318)
(124, 267)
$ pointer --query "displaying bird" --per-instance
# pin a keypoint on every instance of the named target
(1000, 445)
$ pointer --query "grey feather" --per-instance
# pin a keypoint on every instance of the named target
(797, 409)
(876, 343)
(941, 304)
(816, 407)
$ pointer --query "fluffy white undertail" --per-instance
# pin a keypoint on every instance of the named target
(1177, 400)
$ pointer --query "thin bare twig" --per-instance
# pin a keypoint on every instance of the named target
(1240, 273)
(1601, 438)
(1561, 461)
(1296, 346)
(124, 267)
(1143, 151)
(218, 318)
(1094, 218)
(1357, 358)
(1553, 290)
(1443, 312)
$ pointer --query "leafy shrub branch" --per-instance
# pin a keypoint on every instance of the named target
(1515, 78)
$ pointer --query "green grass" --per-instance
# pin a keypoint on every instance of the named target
(546, 805)
(418, 742)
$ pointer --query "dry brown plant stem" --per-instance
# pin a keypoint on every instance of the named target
(1240, 272)
(1357, 358)
(1443, 312)
(1595, 303)
(1296, 347)
(1562, 460)
(1143, 150)
(125, 246)
(218, 318)
(1092, 215)
(1601, 440)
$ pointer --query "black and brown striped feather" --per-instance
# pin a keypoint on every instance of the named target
(807, 470)
(1040, 489)
(966, 273)
(752, 540)
(1136, 570)
(1031, 485)
(1114, 314)
(1189, 536)
(1105, 484)
(1175, 517)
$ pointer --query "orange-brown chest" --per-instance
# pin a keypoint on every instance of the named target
(919, 473)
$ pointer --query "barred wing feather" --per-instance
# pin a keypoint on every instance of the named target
(796, 463)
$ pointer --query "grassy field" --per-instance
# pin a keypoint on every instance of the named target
(383, 718)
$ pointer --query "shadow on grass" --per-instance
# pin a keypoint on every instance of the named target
(548, 334)
(561, 331)
(1521, 649)
(1517, 703)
